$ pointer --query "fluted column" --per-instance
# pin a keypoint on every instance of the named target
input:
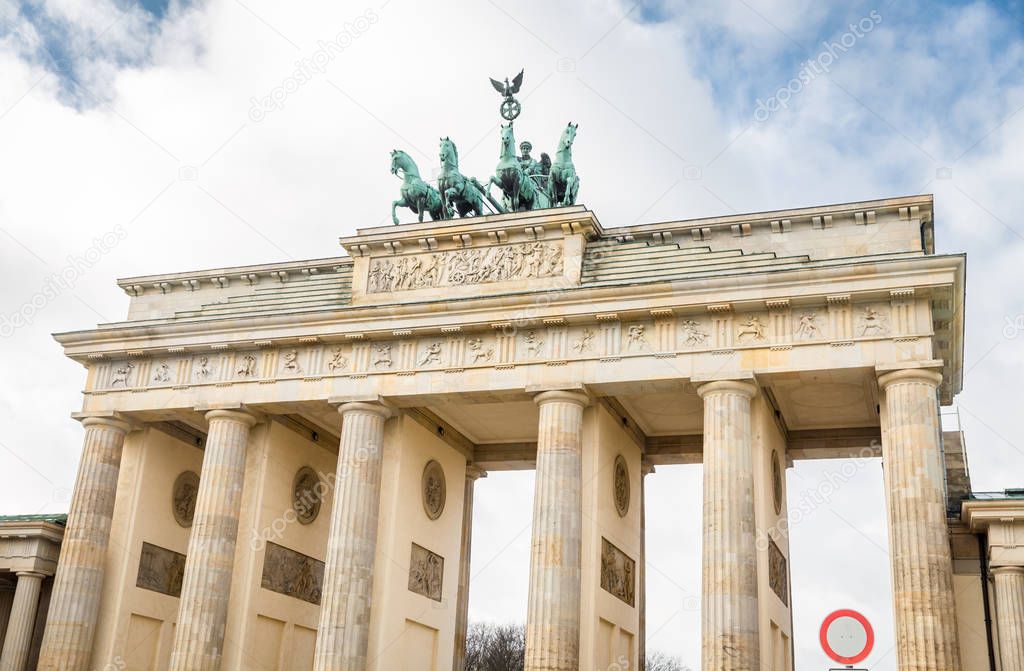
(75, 600)
(344, 632)
(1010, 616)
(729, 616)
(646, 468)
(22, 622)
(473, 473)
(6, 601)
(206, 585)
(922, 568)
(553, 613)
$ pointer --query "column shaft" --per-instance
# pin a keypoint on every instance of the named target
(344, 633)
(729, 617)
(922, 568)
(462, 607)
(646, 468)
(21, 623)
(553, 614)
(206, 585)
(6, 602)
(1010, 616)
(75, 601)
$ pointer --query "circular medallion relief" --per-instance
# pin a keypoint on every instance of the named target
(434, 489)
(777, 481)
(620, 485)
(183, 497)
(306, 495)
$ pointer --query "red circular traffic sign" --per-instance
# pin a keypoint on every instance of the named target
(846, 636)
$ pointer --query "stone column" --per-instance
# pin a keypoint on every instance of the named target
(75, 600)
(729, 617)
(462, 608)
(553, 613)
(6, 601)
(344, 633)
(1010, 616)
(646, 468)
(922, 569)
(22, 622)
(206, 585)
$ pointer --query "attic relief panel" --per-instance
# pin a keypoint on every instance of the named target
(528, 260)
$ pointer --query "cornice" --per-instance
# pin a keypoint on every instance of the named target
(905, 271)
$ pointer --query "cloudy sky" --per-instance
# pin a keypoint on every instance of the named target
(161, 136)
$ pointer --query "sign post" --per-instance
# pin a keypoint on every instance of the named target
(847, 637)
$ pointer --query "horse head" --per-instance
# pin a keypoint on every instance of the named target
(449, 153)
(402, 161)
(508, 140)
(568, 136)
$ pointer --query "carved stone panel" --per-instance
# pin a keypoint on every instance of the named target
(292, 573)
(426, 572)
(160, 570)
(307, 495)
(778, 572)
(872, 322)
(618, 573)
(620, 485)
(459, 267)
(434, 489)
(183, 497)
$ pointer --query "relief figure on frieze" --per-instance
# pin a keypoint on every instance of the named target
(459, 267)
(618, 571)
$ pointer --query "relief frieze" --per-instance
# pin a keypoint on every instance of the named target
(551, 341)
(528, 260)
(160, 570)
(778, 572)
(618, 573)
(292, 573)
(426, 572)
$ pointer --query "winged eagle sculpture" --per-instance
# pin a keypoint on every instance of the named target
(510, 107)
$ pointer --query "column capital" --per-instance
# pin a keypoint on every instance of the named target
(371, 407)
(745, 387)
(1012, 570)
(926, 372)
(580, 398)
(239, 414)
(30, 574)
(646, 466)
(110, 420)
(474, 472)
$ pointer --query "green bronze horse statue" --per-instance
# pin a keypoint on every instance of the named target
(564, 183)
(521, 192)
(459, 193)
(417, 195)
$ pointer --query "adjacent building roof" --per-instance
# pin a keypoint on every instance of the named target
(59, 519)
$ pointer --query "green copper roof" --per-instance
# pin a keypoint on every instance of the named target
(1005, 495)
(53, 518)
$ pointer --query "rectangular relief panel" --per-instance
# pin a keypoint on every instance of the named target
(618, 573)
(460, 267)
(292, 573)
(160, 570)
(426, 572)
(778, 572)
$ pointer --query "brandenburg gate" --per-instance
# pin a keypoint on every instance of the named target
(279, 460)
